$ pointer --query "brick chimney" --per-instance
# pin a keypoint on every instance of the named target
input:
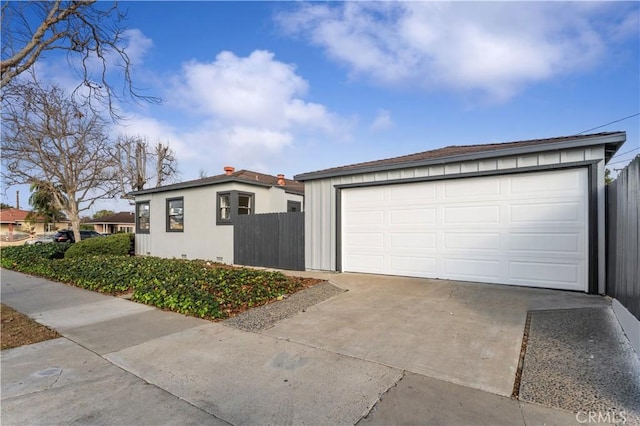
(228, 170)
(281, 179)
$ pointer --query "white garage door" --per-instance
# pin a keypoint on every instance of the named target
(525, 229)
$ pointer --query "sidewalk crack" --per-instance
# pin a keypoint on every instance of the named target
(56, 380)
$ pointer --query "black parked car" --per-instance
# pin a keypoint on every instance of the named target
(66, 236)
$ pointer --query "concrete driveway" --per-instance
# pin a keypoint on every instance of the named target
(389, 350)
(464, 333)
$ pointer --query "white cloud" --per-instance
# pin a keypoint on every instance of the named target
(494, 48)
(243, 111)
(383, 121)
(137, 45)
(254, 101)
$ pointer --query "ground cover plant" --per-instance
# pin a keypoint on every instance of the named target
(191, 287)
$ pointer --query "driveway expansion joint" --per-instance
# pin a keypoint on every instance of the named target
(138, 377)
(381, 396)
(523, 350)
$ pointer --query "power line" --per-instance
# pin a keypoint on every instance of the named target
(612, 122)
(620, 162)
(626, 152)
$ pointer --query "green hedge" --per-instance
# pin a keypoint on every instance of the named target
(10, 257)
(114, 245)
(191, 287)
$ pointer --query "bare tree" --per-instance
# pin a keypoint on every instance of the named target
(133, 154)
(91, 34)
(51, 140)
(166, 164)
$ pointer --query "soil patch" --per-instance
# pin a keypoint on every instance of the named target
(18, 329)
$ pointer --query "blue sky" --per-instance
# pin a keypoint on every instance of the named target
(284, 87)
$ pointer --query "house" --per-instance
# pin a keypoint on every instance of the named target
(195, 219)
(527, 213)
(20, 222)
(115, 223)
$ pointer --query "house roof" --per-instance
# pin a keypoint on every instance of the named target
(127, 218)
(13, 215)
(242, 176)
(612, 141)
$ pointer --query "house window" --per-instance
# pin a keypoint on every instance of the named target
(175, 214)
(142, 217)
(224, 207)
(244, 203)
(294, 206)
(231, 204)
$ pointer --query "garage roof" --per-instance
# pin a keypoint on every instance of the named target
(612, 141)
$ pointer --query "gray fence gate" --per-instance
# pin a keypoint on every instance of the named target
(623, 238)
(273, 240)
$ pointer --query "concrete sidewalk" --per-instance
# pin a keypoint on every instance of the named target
(120, 362)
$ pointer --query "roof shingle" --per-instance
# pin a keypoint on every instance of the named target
(245, 176)
(451, 152)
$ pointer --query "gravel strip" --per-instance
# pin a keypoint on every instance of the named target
(263, 317)
(581, 361)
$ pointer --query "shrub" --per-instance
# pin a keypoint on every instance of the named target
(23, 256)
(112, 245)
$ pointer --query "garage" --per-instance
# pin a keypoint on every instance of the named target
(528, 229)
(528, 213)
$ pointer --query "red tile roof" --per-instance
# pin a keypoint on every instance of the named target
(15, 215)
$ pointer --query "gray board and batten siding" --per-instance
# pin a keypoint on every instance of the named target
(273, 240)
(322, 188)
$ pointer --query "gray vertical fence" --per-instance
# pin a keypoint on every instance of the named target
(623, 238)
(273, 240)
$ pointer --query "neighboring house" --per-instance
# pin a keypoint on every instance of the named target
(15, 221)
(115, 223)
(195, 219)
(528, 213)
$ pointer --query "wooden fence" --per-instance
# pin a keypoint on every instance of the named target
(273, 240)
(623, 239)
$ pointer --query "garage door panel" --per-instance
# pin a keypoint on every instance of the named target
(472, 214)
(366, 196)
(412, 193)
(472, 241)
(366, 217)
(545, 212)
(414, 266)
(413, 240)
(462, 188)
(366, 239)
(550, 183)
(526, 229)
(480, 270)
(366, 262)
(561, 243)
(413, 217)
(548, 272)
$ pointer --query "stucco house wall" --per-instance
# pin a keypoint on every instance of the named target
(202, 237)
